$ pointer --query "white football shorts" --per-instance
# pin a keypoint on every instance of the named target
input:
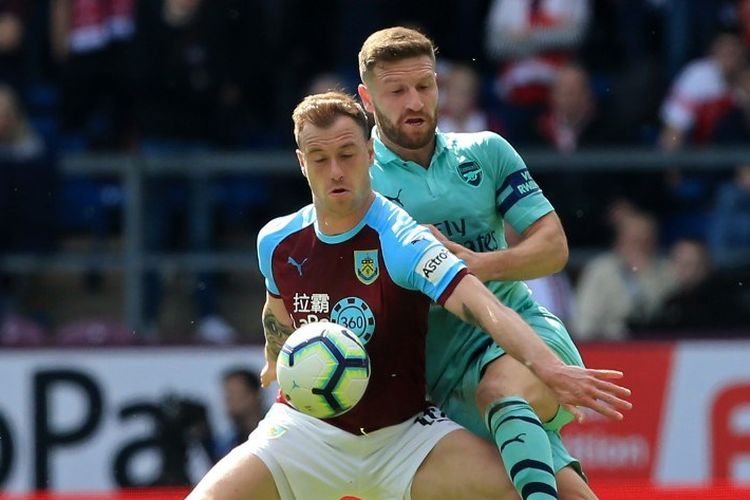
(313, 460)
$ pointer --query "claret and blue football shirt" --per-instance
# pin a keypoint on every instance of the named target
(377, 279)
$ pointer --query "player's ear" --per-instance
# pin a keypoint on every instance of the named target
(301, 160)
(364, 94)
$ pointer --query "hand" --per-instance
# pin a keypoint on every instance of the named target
(472, 259)
(575, 386)
(268, 374)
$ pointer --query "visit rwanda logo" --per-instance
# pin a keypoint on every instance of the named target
(471, 173)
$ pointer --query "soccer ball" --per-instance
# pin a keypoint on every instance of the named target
(323, 369)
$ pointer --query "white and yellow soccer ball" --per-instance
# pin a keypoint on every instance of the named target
(323, 369)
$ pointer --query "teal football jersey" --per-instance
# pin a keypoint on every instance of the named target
(474, 185)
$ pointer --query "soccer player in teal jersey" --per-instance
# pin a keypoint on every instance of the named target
(392, 445)
(468, 186)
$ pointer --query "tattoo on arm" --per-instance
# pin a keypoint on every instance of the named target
(469, 316)
(275, 332)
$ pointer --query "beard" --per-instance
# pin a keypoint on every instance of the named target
(399, 137)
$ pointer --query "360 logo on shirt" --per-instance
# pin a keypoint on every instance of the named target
(354, 314)
(350, 312)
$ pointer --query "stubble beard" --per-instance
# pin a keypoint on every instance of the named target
(400, 138)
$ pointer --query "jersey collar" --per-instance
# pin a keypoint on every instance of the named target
(342, 237)
(385, 155)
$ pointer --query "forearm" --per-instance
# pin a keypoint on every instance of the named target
(475, 304)
(275, 333)
(517, 263)
(542, 251)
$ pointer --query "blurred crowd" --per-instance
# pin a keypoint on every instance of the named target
(158, 77)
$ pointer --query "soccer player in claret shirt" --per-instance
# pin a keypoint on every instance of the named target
(468, 186)
(392, 445)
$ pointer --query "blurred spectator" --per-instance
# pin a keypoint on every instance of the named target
(689, 27)
(28, 199)
(13, 24)
(701, 93)
(623, 54)
(28, 182)
(457, 26)
(628, 283)
(572, 119)
(181, 71)
(459, 100)
(620, 210)
(301, 50)
(246, 97)
(734, 126)
(179, 216)
(531, 39)
(182, 76)
(700, 96)
(623, 34)
(90, 39)
(702, 299)
(18, 141)
(244, 407)
(730, 225)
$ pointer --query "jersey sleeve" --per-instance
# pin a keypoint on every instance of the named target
(268, 239)
(518, 197)
(416, 260)
(437, 271)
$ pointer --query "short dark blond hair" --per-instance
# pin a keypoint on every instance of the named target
(393, 44)
(321, 110)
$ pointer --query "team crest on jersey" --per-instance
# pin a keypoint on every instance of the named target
(471, 173)
(274, 431)
(366, 266)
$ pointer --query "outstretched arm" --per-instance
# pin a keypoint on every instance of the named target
(277, 327)
(543, 250)
(573, 386)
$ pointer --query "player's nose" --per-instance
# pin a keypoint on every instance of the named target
(414, 100)
(337, 171)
